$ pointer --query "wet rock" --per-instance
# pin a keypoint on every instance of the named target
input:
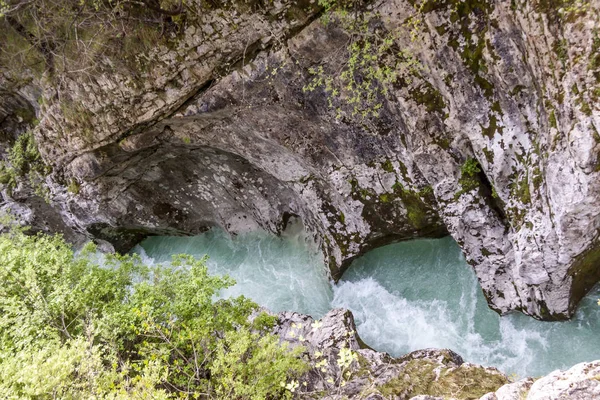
(343, 368)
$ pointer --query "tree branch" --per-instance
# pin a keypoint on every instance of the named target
(43, 46)
(179, 10)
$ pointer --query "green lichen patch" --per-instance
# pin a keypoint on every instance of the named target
(417, 204)
(537, 178)
(496, 107)
(387, 166)
(561, 51)
(520, 190)
(492, 127)
(464, 382)
(517, 90)
(516, 216)
(73, 187)
(489, 155)
(428, 96)
(485, 85)
(552, 120)
(594, 60)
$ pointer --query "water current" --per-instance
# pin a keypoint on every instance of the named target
(404, 296)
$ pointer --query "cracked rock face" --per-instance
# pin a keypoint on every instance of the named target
(373, 375)
(220, 131)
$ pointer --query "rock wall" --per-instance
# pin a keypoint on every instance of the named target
(429, 374)
(492, 137)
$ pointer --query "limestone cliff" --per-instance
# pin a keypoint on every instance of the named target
(490, 134)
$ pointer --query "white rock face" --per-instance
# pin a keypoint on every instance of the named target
(581, 382)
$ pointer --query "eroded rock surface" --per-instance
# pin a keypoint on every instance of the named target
(373, 375)
(428, 374)
(219, 130)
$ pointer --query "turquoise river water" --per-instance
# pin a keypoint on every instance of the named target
(404, 297)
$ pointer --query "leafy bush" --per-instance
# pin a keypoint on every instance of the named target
(72, 329)
(24, 161)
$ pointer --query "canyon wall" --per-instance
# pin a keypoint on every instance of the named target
(480, 119)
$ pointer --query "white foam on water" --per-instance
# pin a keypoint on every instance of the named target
(404, 297)
(418, 294)
(278, 273)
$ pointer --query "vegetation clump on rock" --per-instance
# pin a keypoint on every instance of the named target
(71, 328)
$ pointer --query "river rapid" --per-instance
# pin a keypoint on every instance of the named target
(404, 297)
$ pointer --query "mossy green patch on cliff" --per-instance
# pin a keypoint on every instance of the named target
(537, 178)
(381, 207)
(485, 85)
(428, 6)
(519, 189)
(425, 377)
(416, 203)
(429, 97)
(492, 127)
(594, 61)
(561, 51)
(387, 166)
(469, 178)
(496, 107)
(580, 101)
(560, 11)
(517, 90)
(73, 187)
(552, 120)
(489, 155)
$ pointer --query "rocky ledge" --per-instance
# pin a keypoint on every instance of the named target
(343, 367)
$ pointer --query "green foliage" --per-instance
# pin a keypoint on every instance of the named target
(373, 62)
(238, 376)
(24, 161)
(470, 168)
(469, 179)
(72, 329)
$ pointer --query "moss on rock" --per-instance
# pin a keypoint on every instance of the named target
(425, 377)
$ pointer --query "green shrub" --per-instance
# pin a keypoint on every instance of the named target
(469, 178)
(72, 329)
(24, 161)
